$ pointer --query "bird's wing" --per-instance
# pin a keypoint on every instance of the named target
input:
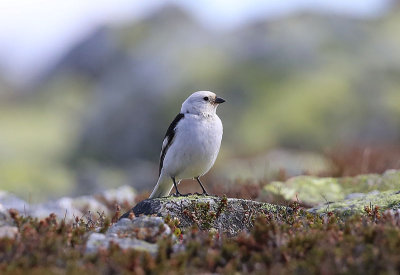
(169, 136)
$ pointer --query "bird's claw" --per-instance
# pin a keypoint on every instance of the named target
(202, 194)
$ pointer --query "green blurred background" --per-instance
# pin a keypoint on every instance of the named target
(301, 81)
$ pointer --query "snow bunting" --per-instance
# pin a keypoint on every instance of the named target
(191, 143)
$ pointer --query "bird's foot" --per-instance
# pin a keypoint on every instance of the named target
(187, 195)
(177, 194)
(202, 194)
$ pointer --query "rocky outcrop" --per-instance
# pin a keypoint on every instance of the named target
(357, 203)
(314, 191)
(151, 220)
(144, 225)
(225, 215)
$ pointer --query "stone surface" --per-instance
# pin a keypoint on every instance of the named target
(314, 191)
(140, 233)
(67, 207)
(9, 232)
(9, 201)
(120, 194)
(229, 216)
(387, 200)
(99, 241)
(144, 228)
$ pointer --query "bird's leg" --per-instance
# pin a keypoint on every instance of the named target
(202, 187)
(176, 188)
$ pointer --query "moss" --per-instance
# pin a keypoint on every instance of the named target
(385, 200)
(314, 190)
(308, 189)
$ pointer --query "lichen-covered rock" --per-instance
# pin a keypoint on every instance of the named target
(315, 190)
(229, 216)
(387, 200)
(143, 228)
(140, 233)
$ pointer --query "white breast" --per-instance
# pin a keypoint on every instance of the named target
(195, 147)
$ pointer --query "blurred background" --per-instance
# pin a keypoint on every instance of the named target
(88, 89)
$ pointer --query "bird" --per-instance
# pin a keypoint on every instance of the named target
(191, 144)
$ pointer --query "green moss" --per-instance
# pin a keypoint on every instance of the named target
(385, 200)
(315, 190)
(308, 189)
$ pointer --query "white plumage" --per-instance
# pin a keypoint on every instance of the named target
(191, 144)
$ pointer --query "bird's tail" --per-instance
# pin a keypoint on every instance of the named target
(163, 187)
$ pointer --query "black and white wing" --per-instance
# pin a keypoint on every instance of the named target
(169, 136)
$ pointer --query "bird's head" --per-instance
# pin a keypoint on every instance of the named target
(201, 102)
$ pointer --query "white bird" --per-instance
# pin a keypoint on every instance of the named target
(191, 143)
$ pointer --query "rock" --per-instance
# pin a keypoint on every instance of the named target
(95, 242)
(387, 200)
(121, 194)
(354, 196)
(140, 233)
(9, 232)
(69, 207)
(229, 216)
(61, 207)
(360, 195)
(99, 241)
(144, 228)
(80, 206)
(307, 189)
(314, 190)
(10, 201)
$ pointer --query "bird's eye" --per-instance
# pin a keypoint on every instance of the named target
(206, 98)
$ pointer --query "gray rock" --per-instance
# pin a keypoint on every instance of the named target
(121, 194)
(70, 208)
(147, 228)
(139, 234)
(9, 232)
(98, 241)
(95, 242)
(10, 201)
(61, 207)
(229, 216)
(355, 196)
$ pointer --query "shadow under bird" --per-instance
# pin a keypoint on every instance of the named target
(191, 144)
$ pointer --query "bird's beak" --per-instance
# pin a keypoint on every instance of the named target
(219, 100)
